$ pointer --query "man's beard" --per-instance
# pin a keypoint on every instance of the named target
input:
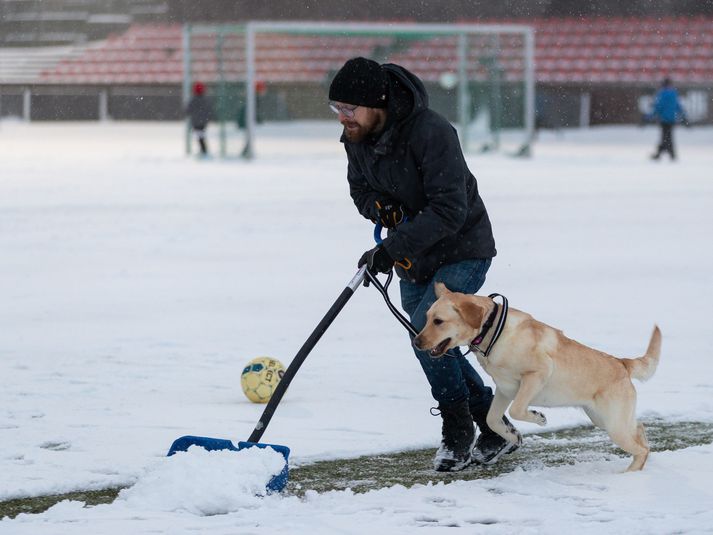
(356, 134)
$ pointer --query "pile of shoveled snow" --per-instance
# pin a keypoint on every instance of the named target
(205, 482)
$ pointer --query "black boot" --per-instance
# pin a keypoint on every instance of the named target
(490, 446)
(456, 449)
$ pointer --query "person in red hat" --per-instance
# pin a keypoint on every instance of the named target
(200, 112)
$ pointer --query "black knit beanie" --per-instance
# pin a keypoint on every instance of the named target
(362, 82)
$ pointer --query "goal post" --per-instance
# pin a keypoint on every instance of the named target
(479, 76)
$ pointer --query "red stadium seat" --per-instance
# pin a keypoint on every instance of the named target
(568, 50)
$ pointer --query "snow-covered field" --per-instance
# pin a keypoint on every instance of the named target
(135, 284)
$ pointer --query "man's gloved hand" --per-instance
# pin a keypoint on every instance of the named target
(390, 212)
(377, 260)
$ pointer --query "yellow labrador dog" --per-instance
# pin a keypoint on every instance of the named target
(533, 364)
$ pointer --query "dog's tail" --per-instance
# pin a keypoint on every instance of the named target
(644, 367)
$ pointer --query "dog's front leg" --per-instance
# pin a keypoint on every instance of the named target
(495, 415)
(530, 386)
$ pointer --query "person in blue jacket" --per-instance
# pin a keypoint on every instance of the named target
(668, 111)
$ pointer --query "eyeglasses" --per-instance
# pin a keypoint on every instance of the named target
(345, 109)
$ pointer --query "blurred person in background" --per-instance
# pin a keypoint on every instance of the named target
(260, 105)
(200, 112)
(406, 170)
(667, 111)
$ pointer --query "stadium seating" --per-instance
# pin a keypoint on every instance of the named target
(596, 50)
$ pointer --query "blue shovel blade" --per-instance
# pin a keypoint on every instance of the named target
(276, 484)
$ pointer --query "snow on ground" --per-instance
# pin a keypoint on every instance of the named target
(135, 284)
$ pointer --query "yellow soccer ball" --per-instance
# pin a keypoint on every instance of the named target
(260, 378)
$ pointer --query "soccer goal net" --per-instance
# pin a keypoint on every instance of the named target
(269, 81)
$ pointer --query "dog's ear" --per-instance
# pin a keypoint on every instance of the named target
(441, 289)
(471, 313)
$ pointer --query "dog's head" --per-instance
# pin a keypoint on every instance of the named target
(453, 320)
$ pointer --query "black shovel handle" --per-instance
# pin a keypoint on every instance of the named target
(302, 354)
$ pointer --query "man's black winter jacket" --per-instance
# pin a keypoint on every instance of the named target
(417, 160)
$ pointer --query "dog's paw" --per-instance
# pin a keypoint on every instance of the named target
(512, 438)
(538, 418)
(514, 435)
(518, 436)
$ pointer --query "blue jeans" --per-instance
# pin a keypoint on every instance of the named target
(452, 378)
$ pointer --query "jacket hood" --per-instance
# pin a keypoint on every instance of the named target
(407, 94)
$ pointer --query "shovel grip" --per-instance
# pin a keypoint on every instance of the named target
(377, 233)
(405, 263)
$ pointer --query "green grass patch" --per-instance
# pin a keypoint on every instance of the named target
(38, 504)
(408, 468)
(556, 448)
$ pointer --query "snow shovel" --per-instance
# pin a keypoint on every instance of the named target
(279, 481)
